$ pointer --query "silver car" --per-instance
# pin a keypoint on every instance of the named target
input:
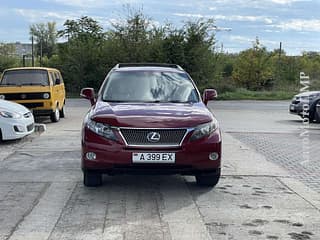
(308, 100)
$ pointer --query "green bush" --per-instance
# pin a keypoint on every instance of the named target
(244, 94)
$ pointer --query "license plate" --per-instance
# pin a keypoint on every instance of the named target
(153, 157)
(291, 107)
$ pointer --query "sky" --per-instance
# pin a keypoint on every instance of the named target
(294, 23)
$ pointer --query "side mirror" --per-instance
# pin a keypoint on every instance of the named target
(88, 93)
(58, 81)
(209, 94)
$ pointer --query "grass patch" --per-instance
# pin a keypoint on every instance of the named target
(243, 94)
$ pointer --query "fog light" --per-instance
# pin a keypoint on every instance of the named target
(18, 128)
(91, 156)
(213, 156)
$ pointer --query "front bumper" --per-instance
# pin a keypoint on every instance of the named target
(296, 109)
(17, 128)
(38, 107)
(113, 157)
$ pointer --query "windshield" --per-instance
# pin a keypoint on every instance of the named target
(25, 77)
(149, 86)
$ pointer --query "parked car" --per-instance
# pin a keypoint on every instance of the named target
(150, 119)
(16, 121)
(39, 89)
(309, 100)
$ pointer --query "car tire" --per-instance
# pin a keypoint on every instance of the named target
(62, 112)
(91, 179)
(55, 115)
(208, 179)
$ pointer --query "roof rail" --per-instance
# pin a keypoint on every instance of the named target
(168, 65)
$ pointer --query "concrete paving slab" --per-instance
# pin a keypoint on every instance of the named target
(240, 159)
(27, 160)
(39, 224)
(256, 208)
(16, 201)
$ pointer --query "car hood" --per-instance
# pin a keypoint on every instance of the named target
(12, 106)
(306, 94)
(151, 115)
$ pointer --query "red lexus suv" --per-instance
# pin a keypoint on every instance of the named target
(150, 119)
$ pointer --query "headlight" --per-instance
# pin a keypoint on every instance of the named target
(46, 95)
(6, 114)
(204, 130)
(2, 96)
(101, 129)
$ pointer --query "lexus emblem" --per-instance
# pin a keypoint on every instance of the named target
(153, 137)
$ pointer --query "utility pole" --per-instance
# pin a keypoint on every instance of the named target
(279, 63)
(280, 49)
(41, 51)
(24, 60)
(32, 51)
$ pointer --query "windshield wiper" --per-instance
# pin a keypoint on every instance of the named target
(32, 84)
(116, 101)
(177, 101)
(8, 84)
(155, 101)
(169, 101)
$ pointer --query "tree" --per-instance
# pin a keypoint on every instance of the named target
(83, 29)
(200, 58)
(253, 69)
(8, 58)
(133, 36)
(81, 55)
(89, 53)
(45, 35)
(309, 63)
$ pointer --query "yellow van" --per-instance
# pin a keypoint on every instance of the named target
(37, 88)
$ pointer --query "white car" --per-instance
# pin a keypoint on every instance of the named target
(16, 121)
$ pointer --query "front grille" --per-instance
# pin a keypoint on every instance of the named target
(30, 127)
(32, 105)
(24, 96)
(139, 137)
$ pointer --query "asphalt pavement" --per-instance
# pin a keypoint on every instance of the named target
(42, 195)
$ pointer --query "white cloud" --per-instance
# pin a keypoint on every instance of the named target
(312, 25)
(271, 31)
(249, 2)
(263, 19)
(80, 3)
(190, 15)
(34, 16)
(286, 2)
(241, 39)
(92, 3)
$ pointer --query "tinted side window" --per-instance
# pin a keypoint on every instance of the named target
(60, 77)
(53, 78)
(57, 76)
